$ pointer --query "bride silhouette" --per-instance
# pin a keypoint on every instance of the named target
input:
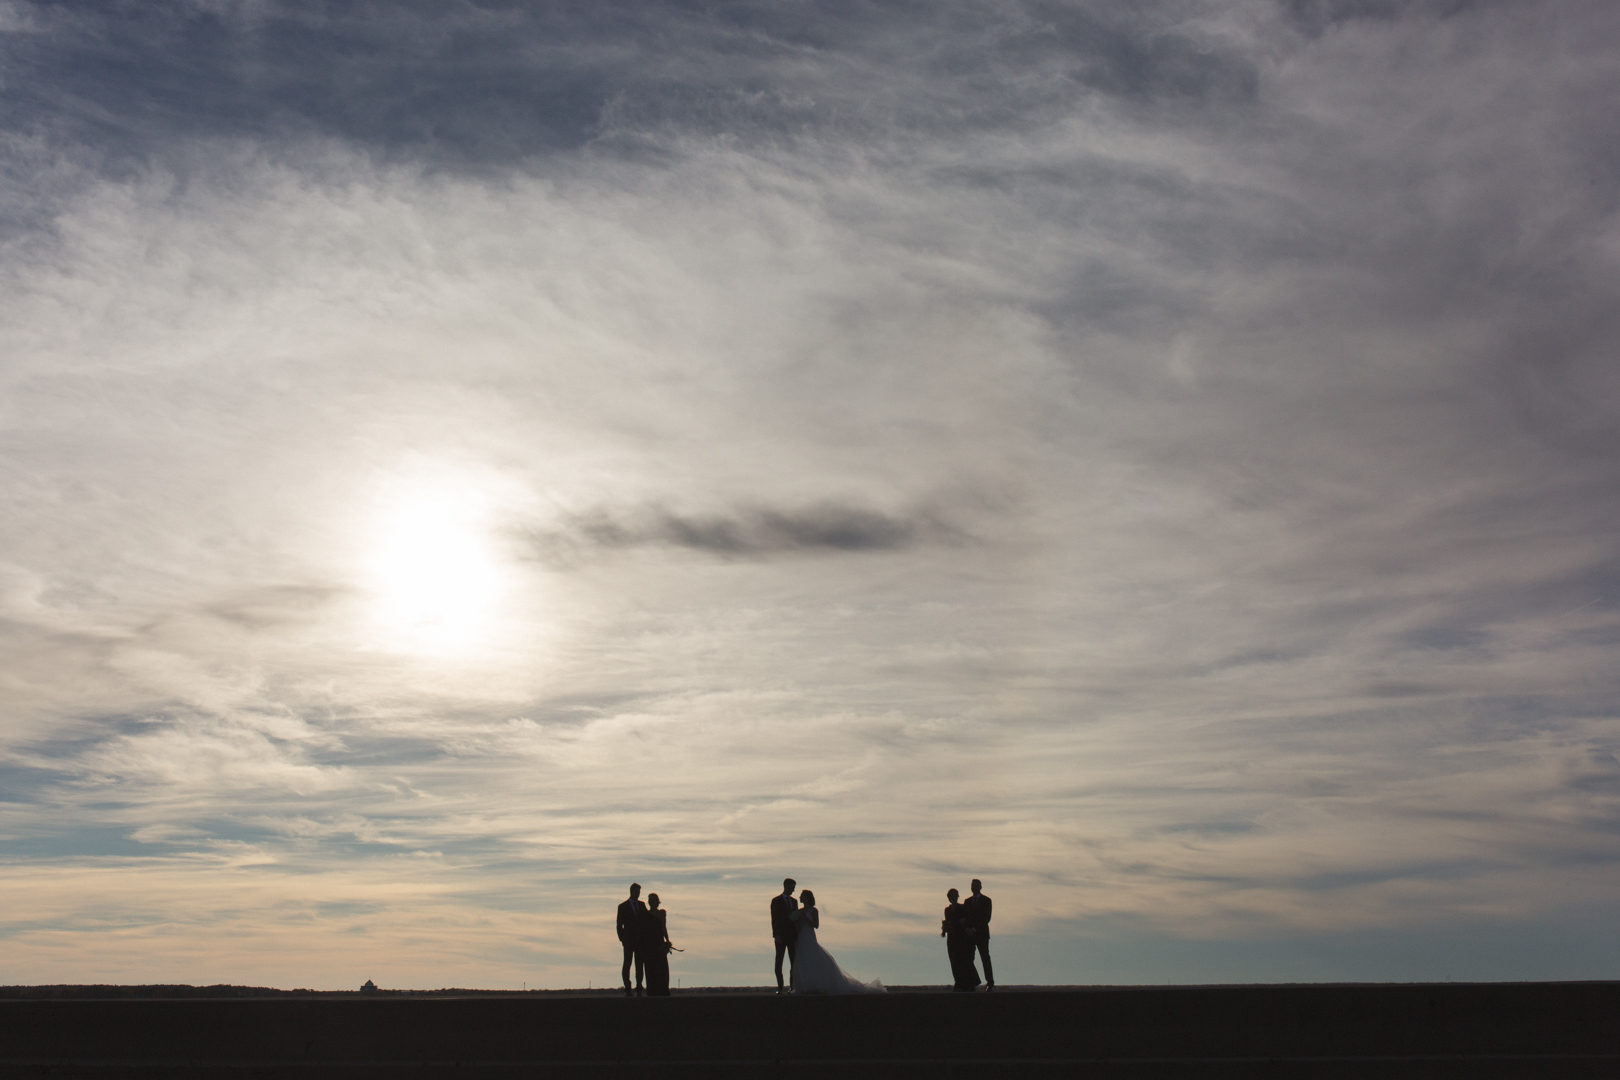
(814, 969)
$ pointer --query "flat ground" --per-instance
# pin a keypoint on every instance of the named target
(1416, 1030)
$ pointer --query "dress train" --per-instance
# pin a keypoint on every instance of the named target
(816, 972)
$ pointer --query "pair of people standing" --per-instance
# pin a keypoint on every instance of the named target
(966, 930)
(813, 970)
(644, 933)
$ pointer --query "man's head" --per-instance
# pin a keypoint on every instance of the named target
(976, 886)
(635, 890)
(787, 885)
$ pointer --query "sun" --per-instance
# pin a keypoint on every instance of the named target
(436, 578)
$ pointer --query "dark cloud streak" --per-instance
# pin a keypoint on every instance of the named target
(750, 532)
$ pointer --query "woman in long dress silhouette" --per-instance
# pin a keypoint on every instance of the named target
(656, 943)
(814, 969)
(964, 976)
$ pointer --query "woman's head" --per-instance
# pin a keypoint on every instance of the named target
(807, 899)
(652, 900)
(951, 895)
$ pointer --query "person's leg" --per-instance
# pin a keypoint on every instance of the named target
(624, 973)
(657, 976)
(793, 959)
(641, 966)
(781, 951)
(989, 973)
(967, 976)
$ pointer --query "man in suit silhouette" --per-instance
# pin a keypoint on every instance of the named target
(783, 927)
(976, 922)
(632, 913)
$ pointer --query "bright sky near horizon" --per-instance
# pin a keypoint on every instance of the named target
(457, 459)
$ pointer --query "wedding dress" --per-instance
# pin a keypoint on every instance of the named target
(816, 972)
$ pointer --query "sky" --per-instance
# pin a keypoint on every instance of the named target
(457, 459)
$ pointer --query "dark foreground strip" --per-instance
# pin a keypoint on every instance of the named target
(757, 1063)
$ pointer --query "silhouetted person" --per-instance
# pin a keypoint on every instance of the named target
(631, 914)
(976, 923)
(814, 969)
(964, 975)
(655, 946)
(783, 927)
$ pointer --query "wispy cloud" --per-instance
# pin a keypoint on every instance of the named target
(752, 532)
(1158, 461)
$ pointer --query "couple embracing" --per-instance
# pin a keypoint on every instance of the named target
(966, 930)
(644, 933)
(794, 924)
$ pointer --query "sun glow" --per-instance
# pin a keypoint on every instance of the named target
(437, 580)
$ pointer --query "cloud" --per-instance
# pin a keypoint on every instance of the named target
(754, 532)
(1159, 461)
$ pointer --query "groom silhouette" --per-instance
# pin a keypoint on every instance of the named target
(632, 915)
(976, 923)
(783, 928)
